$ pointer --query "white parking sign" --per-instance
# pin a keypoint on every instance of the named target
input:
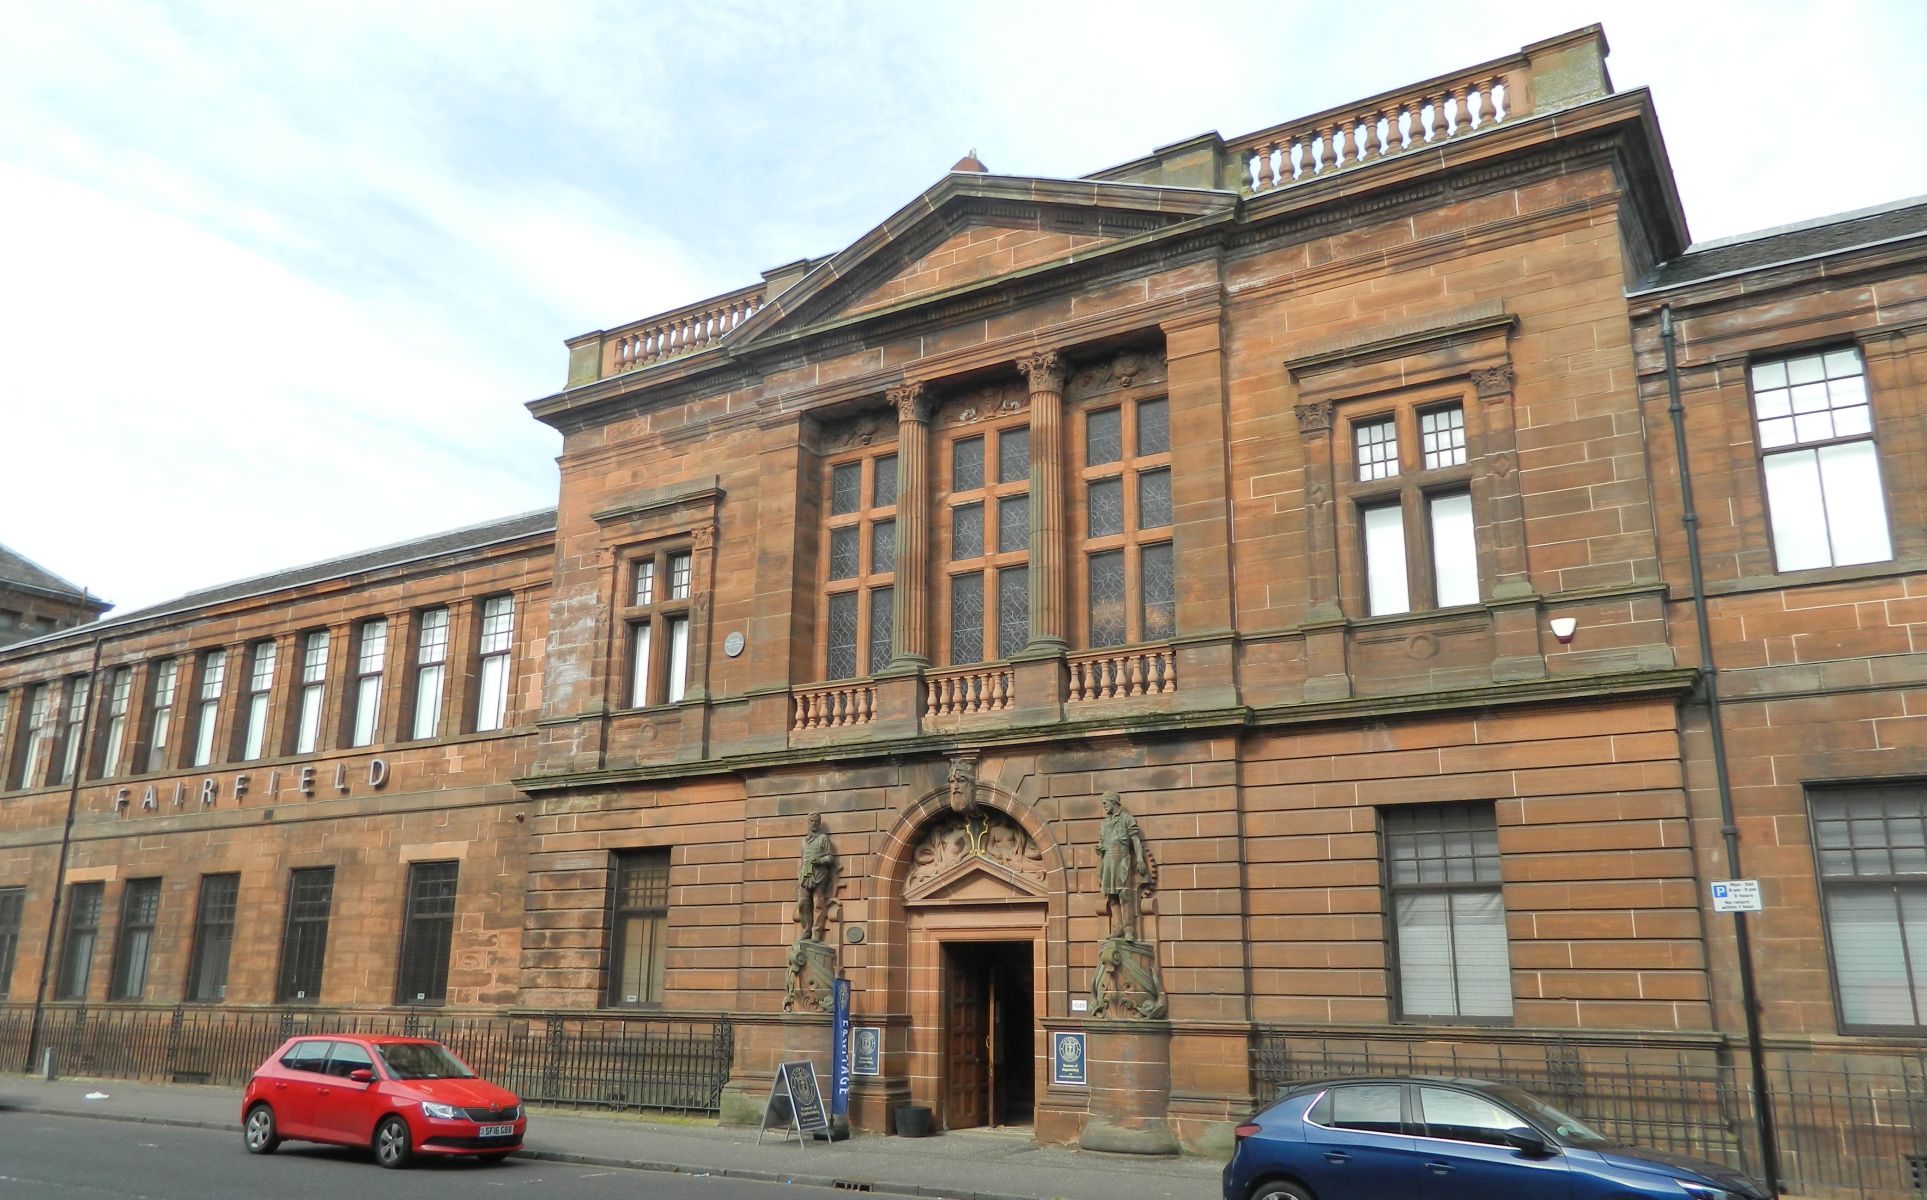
(1736, 895)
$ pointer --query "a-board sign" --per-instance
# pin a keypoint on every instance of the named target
(796, 1083)
(1736, 895)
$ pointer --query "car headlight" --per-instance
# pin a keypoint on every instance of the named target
(1706, 1191)
(441, 1112)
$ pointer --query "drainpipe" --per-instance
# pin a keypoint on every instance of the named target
(66, 841)
(1710, 688)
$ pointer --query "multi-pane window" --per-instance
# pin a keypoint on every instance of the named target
(140, 909)
(1871, 843)
(77, 948)
(314, 684)
(120, 694)
(658, 621)
(213, 938)
(1448, 916)
(36, 732)
(987, 520)
(166, 675)
(638, 923)
(12, 902)
(77, 693)
(427, 928)
(304, 940)
(1130, 590)
(1411, 489)
(254, 741)
(370, 659)
(860, 565)
(492, 675)
(207, 716)
(1815, 429)
(431, 669)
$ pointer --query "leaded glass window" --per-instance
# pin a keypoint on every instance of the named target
(967, 531)
(1107, 599)
(966, 618)
(881, 623)
(1013, 523)
(1127, 493)
(1013, 455)
(841, 661)
(1107, 506)
(967, 464)
(1103, 437)
(860, 567)
(846, 488)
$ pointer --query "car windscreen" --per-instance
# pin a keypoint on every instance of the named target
(1564, 1126)
(422, 1060)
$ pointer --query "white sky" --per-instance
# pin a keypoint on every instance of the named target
(276, 278)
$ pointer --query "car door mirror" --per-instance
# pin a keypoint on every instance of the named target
(1528, 1142)
(361, 1075)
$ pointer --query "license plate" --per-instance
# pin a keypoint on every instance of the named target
(497, 1131)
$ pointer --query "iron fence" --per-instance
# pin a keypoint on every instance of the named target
(1848, 1127)
(621, 1062)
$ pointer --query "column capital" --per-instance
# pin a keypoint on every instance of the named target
(1045, 370)
(1314, 418)
(911, 399)
(1492, 383)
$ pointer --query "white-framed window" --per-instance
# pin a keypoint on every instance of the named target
(213, 678)
(1412, 494)
(260, 684)
(1814, 423)
(431, 669)
(314, 684)
(1448, 913)
(370, 660)
(657, 618)
(78, 690)
(40, 706)
(498, 638)
(166, 675)
(120, 693)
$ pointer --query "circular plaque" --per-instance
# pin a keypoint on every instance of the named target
(854, 935)
(733, 644)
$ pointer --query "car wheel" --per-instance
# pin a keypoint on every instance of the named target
(392, 1148)
(258, 1132)
(1281, 1191)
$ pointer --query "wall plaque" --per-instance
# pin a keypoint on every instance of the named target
(866, 1050)
(1067, 1059)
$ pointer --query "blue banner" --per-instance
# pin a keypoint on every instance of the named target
(840, 1048)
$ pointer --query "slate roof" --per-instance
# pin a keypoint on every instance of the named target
(20, 571)
(1788, 243)
(453, 541)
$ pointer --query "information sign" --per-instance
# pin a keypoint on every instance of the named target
(866, 1051)
(840, 1048)
(1067, 1059)
(1736, 895)
(796, 1085)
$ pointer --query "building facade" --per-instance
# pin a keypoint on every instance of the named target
(1313, 491)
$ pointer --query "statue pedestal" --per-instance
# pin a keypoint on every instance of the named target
(812, 970)
(1130, 1080)
(1127, 982)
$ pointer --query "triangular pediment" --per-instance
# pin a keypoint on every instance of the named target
(977, 881)
(972, 231)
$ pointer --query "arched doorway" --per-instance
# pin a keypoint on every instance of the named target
(975, 908)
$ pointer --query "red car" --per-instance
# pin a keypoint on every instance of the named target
(398, 1096)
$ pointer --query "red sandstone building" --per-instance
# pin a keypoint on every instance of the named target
(1316, 491)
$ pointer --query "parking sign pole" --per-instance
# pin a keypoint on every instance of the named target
(1729, 830)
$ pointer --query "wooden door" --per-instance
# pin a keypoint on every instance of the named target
(967, 1008)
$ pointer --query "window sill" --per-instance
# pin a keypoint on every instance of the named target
(1817, 576)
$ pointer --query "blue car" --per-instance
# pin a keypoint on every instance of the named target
(1420, 1138)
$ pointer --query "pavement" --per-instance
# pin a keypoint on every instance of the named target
(974, 1164)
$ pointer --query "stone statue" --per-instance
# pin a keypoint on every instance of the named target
(815, 882)
(1124, 870)
(963, 786)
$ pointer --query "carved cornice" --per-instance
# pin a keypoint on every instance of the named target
(1131, 369)
(987, 404)
(1044, 370)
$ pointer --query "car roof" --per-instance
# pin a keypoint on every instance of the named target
(373, 1039)
(1465, 1081)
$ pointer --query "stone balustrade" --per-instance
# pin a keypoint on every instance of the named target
(1124, 672)
(833, 705)
(1384, 126)
(960, 691)
(683, 331)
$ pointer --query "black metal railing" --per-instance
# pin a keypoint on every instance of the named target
(622, 1062)
(1848, 1126)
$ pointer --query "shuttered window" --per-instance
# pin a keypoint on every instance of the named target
(1442, 864)
(1871, 843)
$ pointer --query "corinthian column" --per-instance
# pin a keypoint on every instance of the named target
(1045, 371)
(909, 611)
